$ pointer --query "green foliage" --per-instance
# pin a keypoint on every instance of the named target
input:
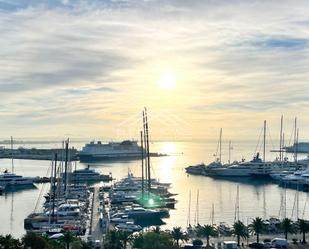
(8, 242)
(67, 239)
(303, 227)
(153, 240)
(113, 240)
(240, 231)
(206, 231)
(287, 226)
(177, 234)
(257, 227)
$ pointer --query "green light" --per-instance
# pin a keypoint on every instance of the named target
(151, 202)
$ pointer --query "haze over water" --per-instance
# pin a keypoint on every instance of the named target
(257, 198)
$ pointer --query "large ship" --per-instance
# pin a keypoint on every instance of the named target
(110, 151)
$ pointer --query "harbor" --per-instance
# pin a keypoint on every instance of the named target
(265, 196)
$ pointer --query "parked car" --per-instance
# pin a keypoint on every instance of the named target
(256, 245)
(279, 243)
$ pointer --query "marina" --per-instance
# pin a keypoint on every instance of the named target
(265, 196)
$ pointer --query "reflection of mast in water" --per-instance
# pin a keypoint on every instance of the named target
(12, 211)
(236, 217)
(264, 203)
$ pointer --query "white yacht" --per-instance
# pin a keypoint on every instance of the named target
(8, 179)
(87, 174)
(243, 169)
(113, 150)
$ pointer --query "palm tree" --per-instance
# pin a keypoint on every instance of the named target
(240, 230)
(256, 227)
(156, 229)
(124, 237)
(303, 226)
(68, 238)
(177, 234)
(206, 231)
(8, 242)
(113, 240)
(287, 226)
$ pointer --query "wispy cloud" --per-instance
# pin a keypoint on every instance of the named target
(84, 62)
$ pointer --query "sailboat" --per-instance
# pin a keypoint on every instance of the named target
(10, 179)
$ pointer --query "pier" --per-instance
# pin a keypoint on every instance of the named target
(96, 229)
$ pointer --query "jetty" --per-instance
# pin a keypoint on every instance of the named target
(96, 227)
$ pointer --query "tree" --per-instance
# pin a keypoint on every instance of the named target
(8, 242)
(177, 234)
(206, 231)
(256, 227)
(240, 230)
(153, 240)
(287, 226)
(303, 226)
(113, 240)
(67, 239)
(124, 237)
(34, 241)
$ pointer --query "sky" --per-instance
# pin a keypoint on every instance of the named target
(86, 69)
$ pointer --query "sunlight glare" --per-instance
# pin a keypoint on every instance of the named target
(167, 80)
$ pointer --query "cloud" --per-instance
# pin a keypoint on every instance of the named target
(64, 61)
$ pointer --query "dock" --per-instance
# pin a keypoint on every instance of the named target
(96, 229)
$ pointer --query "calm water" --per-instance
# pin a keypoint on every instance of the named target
(257, 198)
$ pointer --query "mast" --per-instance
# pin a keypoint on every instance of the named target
(212, 214)
(148, 154)
(54, 187)
(236, 218)
(142, 155)
(66, 165)
(295, 135)
(230, 148)
(264, 142)
(296, 150)
(189, 210)
(280, 143)
(145, 145)
(12, 156)
(197, 208)
(282, 147)
(220, 145)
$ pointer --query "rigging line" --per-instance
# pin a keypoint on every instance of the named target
(271, 141)
(292, 133)
(217, 150)
(42, 189)
(303, 215)
(258, 143)
(294, 204)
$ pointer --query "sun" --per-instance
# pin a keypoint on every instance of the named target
(167, 80)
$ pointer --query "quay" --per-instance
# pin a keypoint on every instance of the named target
(36, 154)
(97, 231)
